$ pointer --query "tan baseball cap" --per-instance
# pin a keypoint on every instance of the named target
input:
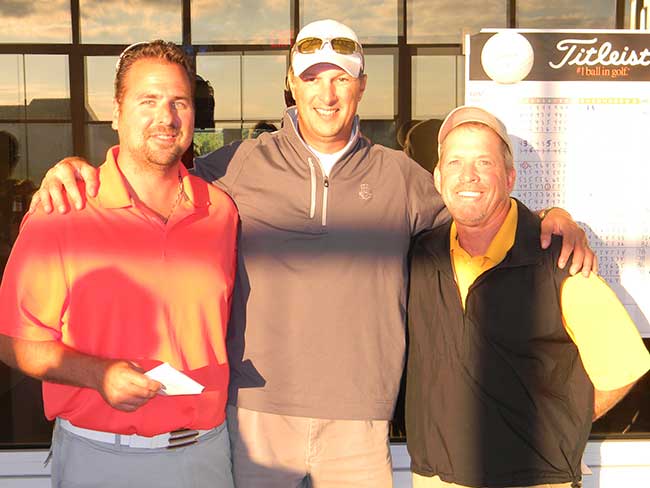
(465, 114)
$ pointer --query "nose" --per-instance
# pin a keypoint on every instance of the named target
(469, 173)
(327, 93)
(166, 114)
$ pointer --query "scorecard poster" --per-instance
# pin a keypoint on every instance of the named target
(577, 106)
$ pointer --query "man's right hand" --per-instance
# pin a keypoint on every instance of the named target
(123, 385)
(61, 186)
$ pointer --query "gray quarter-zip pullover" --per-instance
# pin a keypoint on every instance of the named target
(318, 316)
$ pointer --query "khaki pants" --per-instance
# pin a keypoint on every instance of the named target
(436, 482)
(279, 451)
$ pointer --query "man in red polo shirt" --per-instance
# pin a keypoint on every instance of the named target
(142, 276)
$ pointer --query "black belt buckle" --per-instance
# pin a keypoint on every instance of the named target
(182, 438)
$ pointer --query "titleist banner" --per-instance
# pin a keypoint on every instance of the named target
(562, 56)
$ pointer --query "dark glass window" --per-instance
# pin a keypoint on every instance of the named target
(127, 21)
(591, 14)
(437, 85)
(374, 21)
(250, 22)
(445, 21)
(379, 101)
(35, 130)
(247, 86)
(24, 21)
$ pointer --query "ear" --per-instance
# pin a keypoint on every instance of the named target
(291, 83)
(511, 176)
(436, 178)
(362, 85)
(116, 114)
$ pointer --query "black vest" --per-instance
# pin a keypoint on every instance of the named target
(496, 395)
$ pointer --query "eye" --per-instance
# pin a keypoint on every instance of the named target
(180, 104)
(485, 162)
(148, 102)
(453, 162)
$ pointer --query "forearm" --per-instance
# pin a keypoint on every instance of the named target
(52, 361)
(604, 401)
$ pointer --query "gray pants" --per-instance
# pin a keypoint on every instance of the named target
(79, 462)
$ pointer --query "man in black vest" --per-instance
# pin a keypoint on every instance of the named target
(511, 358)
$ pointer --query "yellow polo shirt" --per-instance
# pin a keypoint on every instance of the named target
(609, 343)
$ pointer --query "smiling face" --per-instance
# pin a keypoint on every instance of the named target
(326, 99)
(155, 117)
(472, 176)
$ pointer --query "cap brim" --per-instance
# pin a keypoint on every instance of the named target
(350, 63)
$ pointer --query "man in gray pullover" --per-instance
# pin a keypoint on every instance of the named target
(316, 337)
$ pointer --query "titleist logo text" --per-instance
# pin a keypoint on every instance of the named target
(603, 55)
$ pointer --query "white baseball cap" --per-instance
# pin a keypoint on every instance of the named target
(326, 31)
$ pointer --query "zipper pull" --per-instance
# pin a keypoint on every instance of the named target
(326, 182)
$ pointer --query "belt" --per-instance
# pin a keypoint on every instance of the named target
(169, 440)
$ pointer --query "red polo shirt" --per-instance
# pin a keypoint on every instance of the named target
(114, 281)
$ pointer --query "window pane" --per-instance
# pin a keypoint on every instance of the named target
(24, 21)
(559, 14)
(100, 74)
(248, 87)
(127, 21)
(437, 85)
(18, 150)
(222, 71)
(443, 21)
(263, 86)
(99, 137)
(380, 132)
(41, 80)
(379, 98)
(46, 144)
(206, 141)
(39, 146)
(12, 87)
(48, 87)
(249, 22)
(374, 21)
(21, 410)
(252, 130)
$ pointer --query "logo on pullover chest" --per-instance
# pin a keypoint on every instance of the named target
(365, 193)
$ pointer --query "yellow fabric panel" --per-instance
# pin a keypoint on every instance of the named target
(611, 349)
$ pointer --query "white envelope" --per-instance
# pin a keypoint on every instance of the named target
(175, 382)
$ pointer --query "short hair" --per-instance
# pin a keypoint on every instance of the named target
(508, 158)
(158, 49)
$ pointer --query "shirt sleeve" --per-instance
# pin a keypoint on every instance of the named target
(33, 294)
(425, 205)
(609, 343)
(220, 167)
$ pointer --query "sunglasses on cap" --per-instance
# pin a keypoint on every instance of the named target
(341, 45)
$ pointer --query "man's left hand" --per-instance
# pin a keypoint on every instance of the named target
(574, 240)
